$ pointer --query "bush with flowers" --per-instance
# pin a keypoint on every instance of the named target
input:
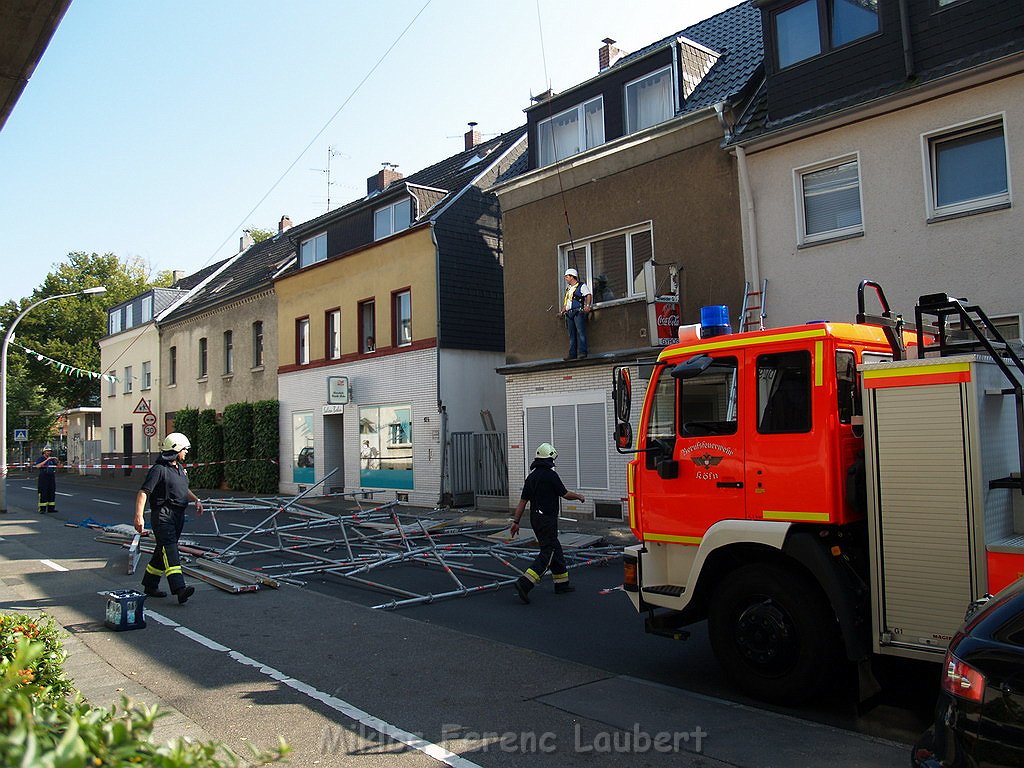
(43, 726)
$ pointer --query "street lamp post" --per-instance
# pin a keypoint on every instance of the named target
(3, 383)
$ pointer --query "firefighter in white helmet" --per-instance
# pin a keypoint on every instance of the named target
(166, 487)
(543, 489)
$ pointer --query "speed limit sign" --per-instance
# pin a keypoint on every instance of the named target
(149, 420)
(149, 430)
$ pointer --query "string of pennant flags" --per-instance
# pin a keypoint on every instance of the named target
(66, 368)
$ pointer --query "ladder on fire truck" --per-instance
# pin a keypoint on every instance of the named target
(755, 307)
(957, 328)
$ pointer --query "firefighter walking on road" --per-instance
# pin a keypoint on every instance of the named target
(166, 487)
(543, 489)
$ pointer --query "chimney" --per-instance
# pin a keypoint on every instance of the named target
(283, 224)
(382, 179)
(245, 241)
(472, 136)
(608, 54)
(177, 276)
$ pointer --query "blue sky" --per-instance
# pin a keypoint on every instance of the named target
(158, 130)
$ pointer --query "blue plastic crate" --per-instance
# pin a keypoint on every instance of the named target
(125, 609)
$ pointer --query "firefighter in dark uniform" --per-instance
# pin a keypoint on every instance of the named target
(166, 486)
(47, 482)
(543, 488)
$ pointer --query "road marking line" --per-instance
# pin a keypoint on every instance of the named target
(428, 748)
(53, 565)
(65, 494)
(29, 488)
(104, 501)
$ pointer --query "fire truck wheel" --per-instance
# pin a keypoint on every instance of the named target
(769, 628)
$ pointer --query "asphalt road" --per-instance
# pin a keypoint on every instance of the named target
(589, 626)
(554, 636)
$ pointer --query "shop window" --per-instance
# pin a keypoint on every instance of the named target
(386, 446)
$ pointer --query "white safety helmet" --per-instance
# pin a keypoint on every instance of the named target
(174, 443)
(572, 272)
(47, 448)
(546, 451)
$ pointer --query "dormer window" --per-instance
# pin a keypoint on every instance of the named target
(392, 218)
(805, 29)
(313, 250)
(570, 132)
(649, 100)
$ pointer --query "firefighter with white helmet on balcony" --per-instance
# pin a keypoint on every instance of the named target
(543, 489)
(166, 487)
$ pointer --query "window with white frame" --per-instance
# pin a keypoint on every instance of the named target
(257, 344)
(576, 425)
(332, 326)
(172, 366)
(805, 29)
(392, 218)
(649, 100)
(147, 375)
(828, 200)
(612, 264)
(203, 358)
(111, 384)
(302, 340)
(147, 309)
(966, 168)
(402, 319)
(127, 379)
(570, 132)
(229, 352)
(367, 326)
(114, 324)
(129, 321)
(112, 439)
(313, 250)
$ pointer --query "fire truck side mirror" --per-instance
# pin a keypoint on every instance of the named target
(622, 394)
(692, 367)
(623, 436)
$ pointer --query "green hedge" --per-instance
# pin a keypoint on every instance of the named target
(44, 728)
(208, 451)
(238, 445)
(246, 441)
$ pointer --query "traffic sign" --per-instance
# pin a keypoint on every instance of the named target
(149, 419)
(143, 407)
(149, 430)
(21, 435)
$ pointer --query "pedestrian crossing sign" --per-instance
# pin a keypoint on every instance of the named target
(21, 435)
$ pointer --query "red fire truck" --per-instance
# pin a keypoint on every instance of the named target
(819, 494)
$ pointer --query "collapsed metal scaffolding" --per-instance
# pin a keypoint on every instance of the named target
(379, 547)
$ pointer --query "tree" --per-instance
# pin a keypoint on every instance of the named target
(259, 235)
(68, 331)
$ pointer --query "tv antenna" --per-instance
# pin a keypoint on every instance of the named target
(331, 152)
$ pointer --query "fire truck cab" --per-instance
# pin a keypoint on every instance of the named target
(757, 507)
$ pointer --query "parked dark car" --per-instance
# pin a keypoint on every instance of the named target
(305, 457)
(979, 717)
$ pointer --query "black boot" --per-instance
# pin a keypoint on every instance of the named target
(184, 594)
(523, 586)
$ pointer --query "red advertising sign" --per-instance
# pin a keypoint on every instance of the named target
(667, 317)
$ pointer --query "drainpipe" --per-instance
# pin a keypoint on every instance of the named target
(750, 245)
(908, 51)
(437, 372)
(751, 266)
